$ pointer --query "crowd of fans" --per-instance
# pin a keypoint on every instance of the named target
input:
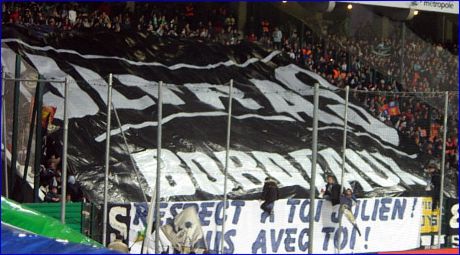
(409, 114)
(340, 59)
(172, 19)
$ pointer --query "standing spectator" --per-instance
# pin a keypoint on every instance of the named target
(265, 27)
(435, 183)
(230, 22)
(74, 189)
(277, 37)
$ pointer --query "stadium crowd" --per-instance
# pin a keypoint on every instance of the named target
(339, 59)
(172, 19)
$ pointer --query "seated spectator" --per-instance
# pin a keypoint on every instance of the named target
(52, 196)
(332, 191)
(74, 189)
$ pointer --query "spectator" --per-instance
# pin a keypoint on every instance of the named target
(346, 203)
(269, 195)
(435, 183)
(277, 37)
(52, 195)
(74, 189)
(332, 191)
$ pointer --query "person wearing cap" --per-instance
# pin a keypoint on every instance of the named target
(269, 196)
(346, 202)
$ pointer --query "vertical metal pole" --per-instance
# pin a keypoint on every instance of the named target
(38, 139)
(443, 28)
(29, 144)
(4, 136)
(313, 170)
(227, 157)
(148, 229)
(401, 64)
(107, 162)
(64, 151)
(14, 138)
(344, 157)
(157, 188)
(443, 165)
(156, 193)
(125, 141)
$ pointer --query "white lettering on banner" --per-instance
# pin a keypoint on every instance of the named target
(301, 156)
(406, 177)
(119, 100)
(391, 179)
(211, 94)
(122, 227)
(151, 88)
(283, 100)
(386, 224)
(176, 180)
(80, 103)
(206, 172)
(334, 160)
(279, 168)
(248, 172)
(287, 75)
(453, 222)
(370, 124)
(243, 168)
(369, 171)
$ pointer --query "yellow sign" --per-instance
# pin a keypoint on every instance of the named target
(429, 217)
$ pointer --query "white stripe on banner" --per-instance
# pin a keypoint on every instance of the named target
(137, 63)
(167, 119)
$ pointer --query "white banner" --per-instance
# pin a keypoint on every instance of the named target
(386, 224)
(432, 6)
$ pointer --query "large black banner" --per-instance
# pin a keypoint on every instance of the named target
(271, 124)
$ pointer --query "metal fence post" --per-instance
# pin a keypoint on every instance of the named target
(313, 170)
(401, 64)
(38, 138)
(344, 157)
(227, 157)
(107, 162)
(4, 136)
(443, 165)
(125, 141)
(64, 151)
(155, 199)
(14, 138)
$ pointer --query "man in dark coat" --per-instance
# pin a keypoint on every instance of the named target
(269, 196)
(436, 184)
(332, 191)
